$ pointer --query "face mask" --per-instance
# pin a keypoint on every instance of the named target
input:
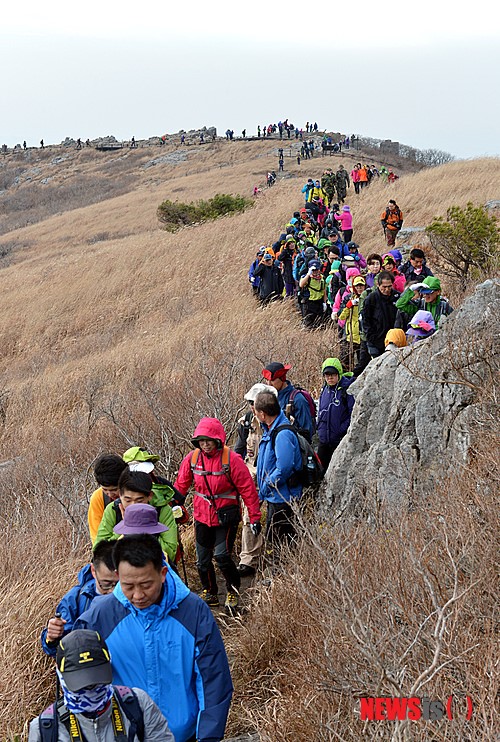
(86, 700)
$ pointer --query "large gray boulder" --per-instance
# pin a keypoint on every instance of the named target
(416, 412)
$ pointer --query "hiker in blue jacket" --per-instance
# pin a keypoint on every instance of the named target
(279, 458)
(334, 409)
(255, 280)
(97, 578)
(296, 407)
(164, 639)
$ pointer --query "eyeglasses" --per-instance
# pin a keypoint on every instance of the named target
(106, 585)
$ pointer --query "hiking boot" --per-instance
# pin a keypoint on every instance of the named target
(245, 570)
(231, 604)
(209, 598)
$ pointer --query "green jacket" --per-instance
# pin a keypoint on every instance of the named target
(410, 306)
(162, 494)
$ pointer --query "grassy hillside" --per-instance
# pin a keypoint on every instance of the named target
(115, 332)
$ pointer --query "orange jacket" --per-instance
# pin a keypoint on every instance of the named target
(392, 219)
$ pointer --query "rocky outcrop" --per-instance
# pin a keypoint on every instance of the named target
(416, 411)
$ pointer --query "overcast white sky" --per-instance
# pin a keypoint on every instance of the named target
(426, 75)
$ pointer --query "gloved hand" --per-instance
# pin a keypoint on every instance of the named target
(355, 302)
(324, 306)
(256, 528)
(356, 257)
(252, 280)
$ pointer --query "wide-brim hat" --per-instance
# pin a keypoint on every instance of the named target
(140, 518)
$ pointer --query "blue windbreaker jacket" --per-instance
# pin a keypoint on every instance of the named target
(73, 604)
(276, 466)
(301, 412)
(174, 651)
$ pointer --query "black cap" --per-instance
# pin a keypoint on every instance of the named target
(83, 659)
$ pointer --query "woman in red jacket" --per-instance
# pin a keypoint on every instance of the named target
(220, 478)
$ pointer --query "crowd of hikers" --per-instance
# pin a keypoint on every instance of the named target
(138, 655)
(316, 263)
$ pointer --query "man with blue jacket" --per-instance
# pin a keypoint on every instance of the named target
(97, 578)
(291, 400)
(164, 639)
(278, 460)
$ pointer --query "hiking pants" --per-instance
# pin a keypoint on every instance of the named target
(216, 542)
(390, 236)
(251, 546)
(290, 289)
(356, 187)
(363, 359)
(347, 235)
(325, 453)
(313, 313)
(279, 524)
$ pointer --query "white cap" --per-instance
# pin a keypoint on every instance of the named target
(145, 466)
(252, 393)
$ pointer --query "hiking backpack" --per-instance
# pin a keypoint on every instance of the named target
(127, 702)
(311, 403)
(312, 471)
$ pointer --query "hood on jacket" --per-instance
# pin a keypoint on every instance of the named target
(332, 363)
(421, 324)
(396, 337)
(209, 427)
(85, 575)
(351, 273)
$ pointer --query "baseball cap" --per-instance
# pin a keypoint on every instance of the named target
(275, 370)
(83, 659)
(255, 389)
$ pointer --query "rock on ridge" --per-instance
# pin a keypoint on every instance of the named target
(412, 424)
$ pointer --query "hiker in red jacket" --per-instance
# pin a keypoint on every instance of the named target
(220, 478)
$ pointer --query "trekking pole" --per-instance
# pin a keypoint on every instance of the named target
(58, 682)
(351, 343)
(183, 562)
(178, 514)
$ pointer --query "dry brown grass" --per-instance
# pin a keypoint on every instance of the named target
(356, 612)
(108, 342)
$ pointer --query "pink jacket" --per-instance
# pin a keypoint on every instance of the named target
(345, 219)
(209, 467)
(355, 175)
(349, 274)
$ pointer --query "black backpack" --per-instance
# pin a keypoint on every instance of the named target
(127, 701)
(312, 470)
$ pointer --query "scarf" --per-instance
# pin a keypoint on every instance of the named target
(87, 700)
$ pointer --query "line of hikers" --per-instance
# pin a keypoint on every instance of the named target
(137, 653)
(131, 612)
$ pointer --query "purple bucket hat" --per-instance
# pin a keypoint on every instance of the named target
(140, 518)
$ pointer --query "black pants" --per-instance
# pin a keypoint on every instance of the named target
(313, 314)
(280, 527)
(325, 453)
(356, 187)
(364, 359)
(216, 542)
